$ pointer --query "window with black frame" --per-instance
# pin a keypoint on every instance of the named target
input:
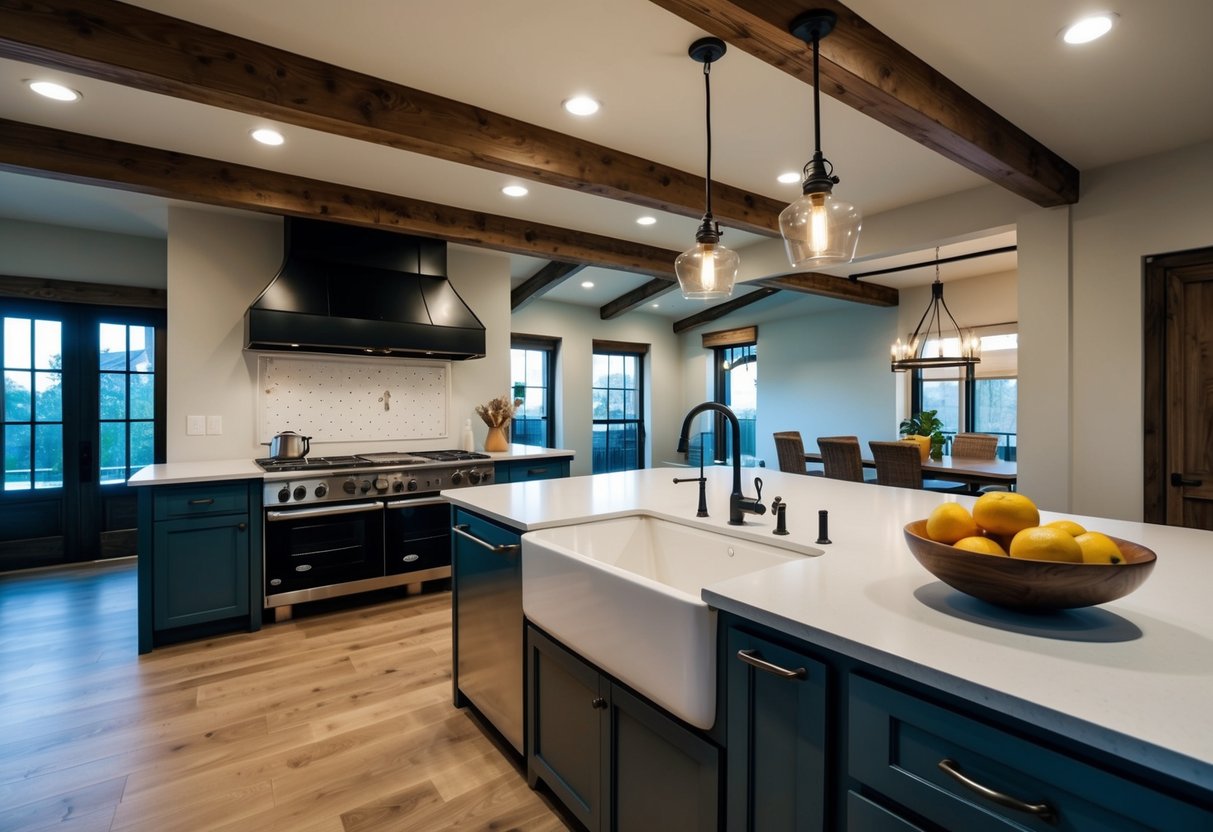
(618, 406)
(533, 379)
(981, 398)
(737, 387)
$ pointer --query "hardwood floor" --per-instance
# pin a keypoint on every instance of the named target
(334, 722)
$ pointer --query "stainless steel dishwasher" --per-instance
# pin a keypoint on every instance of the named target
(488, 626)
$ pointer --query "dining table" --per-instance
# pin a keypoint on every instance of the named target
(969, 470)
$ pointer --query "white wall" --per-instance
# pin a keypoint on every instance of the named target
(217, 265)
(577, 327)
(1127, 212)
(56, 252)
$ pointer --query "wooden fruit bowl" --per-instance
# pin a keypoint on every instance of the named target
(1031, 584)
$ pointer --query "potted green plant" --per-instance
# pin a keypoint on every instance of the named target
(926, 429)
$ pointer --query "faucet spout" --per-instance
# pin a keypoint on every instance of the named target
(739, 504)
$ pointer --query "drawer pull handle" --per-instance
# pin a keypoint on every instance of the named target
(411, 558)
(536, 472)
(751, 658)
(498, 549)
(598, 703)
(203, 501)
(1041, 810)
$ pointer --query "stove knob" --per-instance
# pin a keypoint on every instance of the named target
(364, 486)
(300, 492)
(397, 486)
(349, 487)
(474, 477)
(284, 494)
(456, 478)
(381, 484)
(487, 475)
(412, 485)
(322, 490)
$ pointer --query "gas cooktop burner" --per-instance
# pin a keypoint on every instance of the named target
(368, 460)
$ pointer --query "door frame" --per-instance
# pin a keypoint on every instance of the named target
(1156, 466)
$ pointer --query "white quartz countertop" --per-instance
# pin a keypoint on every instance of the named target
(173, 473)
(1133, 677)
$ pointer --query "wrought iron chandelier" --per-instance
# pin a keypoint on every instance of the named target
(912, 354)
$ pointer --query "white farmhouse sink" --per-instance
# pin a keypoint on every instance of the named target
(624, 593)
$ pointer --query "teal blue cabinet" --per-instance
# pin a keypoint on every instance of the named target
(614, 760)
(776, 736)
(959, 772)
(520, 470)
(199, 560)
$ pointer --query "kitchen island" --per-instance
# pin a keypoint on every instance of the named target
(1127, 682)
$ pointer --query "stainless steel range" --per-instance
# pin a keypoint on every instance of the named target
(340, 525)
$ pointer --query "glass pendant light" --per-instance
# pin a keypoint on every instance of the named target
(707, 270)
(912, 354)
(819, 229)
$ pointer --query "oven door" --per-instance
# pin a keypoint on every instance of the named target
(322, 546)
(418, 535)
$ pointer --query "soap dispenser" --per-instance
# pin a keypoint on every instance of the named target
(469, 440)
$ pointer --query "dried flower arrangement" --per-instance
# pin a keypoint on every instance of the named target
(498, 412)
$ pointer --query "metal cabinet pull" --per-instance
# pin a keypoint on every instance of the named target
(751, 658)
(498, 549)
(242, 526)
(1041, 810)
(203, 501)
(598, 703)
(535, 472)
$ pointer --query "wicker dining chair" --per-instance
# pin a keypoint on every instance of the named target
(898, 464)
(841, 458)
(975, 445)
(790, 449)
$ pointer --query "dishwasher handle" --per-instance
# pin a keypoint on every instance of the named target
(495, 548)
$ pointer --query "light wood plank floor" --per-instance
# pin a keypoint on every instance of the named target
(339, 721)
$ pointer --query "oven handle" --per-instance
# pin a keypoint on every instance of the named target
(321, 511)
(426, 501)
(498, 549)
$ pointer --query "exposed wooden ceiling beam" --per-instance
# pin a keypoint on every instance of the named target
(864, 69)
(44, 151)
(721, 309)
(636, 297)
(828, 286)
(544, 280)
(146, 50)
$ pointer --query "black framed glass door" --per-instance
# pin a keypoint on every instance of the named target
(82, 409)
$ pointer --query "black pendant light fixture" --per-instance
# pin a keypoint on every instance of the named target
(818, 228)
(707, 270)
(913, 354)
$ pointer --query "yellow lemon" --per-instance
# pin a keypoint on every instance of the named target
(981, 545)
(949, 522)
(1069, 526)
(1005, 512)
(1098, 548)
(1044, 543)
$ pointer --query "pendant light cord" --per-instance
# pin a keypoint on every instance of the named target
(707, 183)
(816, 94)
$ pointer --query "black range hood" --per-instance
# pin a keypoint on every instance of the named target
(355, 291)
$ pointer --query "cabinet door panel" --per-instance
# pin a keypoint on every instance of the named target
(865, 816)
(200, 570)
(568, 708)
(664, 776)
(776, 738)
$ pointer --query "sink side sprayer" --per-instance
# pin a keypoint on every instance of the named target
(739, 504)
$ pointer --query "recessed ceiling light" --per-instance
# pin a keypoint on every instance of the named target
(587, 284)
(645, 220)
(49, 89)
(514, 190)
(581, 105)
(788, 178)
(267, 135)
(655, 305)
(1088, 29)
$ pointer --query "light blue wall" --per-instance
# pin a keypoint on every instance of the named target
(826, 375)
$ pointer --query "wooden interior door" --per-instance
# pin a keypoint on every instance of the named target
(1179, 389)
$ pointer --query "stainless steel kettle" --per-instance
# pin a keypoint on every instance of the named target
(289, 445)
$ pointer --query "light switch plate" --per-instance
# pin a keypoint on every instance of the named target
(214, 424)
(195, 425)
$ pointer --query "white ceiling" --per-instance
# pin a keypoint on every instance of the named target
(1146, 88)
